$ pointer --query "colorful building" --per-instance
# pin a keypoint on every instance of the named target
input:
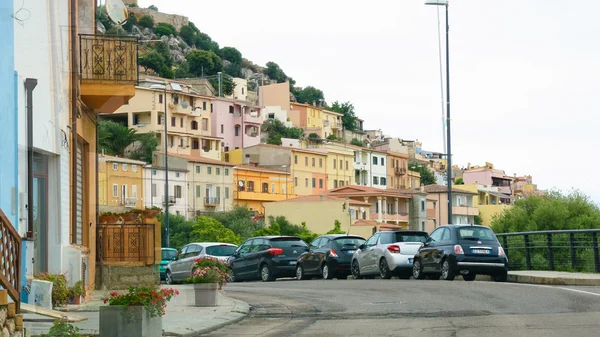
(488, 200)
(487, 175)
(154, 185)
(255, 186)
(120, 183)
(397, 170)
(332, 124)
(236, 122)
(464, 209)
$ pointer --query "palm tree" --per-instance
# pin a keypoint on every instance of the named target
(114, 138)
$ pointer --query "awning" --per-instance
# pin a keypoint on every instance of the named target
(500, 195)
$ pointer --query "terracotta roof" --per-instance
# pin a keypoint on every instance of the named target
(362, 222)
(444, 189)
(202, 160)
(259, 169)
(309, 198)
(352, 190)
(397, 154)
(322, 152)
(120, 160)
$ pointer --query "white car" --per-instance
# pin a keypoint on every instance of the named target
(387, 253)
(180, 269)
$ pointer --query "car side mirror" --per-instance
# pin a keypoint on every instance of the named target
(361, 247)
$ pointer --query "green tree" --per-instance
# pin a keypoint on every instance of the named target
(315, 138)
(349, 116)
(427, 177)
(152, 7)
(146, 21)
(275, 73)
(207, 229)
(182, 70)
(203, 62)
(163, 29)
(277, 130)
(204, 42)
(166, 72)
(357, 142)
(179, 230)
(147, 144)
(131, 21)
(231, 54)
(234, 70)
(337, 228)
(103, 18)
(187, 33)
(272, 229)
(310, 95)
(239, 220)
(227, 85)
(477, 220)
(165, 52)
(114, 138)
(152, 60)
(333, 137)
(459, 181)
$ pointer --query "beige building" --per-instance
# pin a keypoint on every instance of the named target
(188, 117)
(319, 212)
(120, 183)
(463, 208)
(332, 124)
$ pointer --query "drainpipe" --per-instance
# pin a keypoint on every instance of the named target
(74, 100)
(30, 84)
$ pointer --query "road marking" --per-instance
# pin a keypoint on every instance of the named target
(553, 287)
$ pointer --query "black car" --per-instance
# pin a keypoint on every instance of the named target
(329, 256)
(266, 258)
(467, 250)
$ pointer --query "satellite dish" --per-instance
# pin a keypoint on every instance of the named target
(184, 104)
(241, 183)
(116, 11)
(362, 209)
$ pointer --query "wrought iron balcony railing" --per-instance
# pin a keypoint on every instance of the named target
(108, 59)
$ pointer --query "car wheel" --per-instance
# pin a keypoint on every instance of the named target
(447, 273)
(265, 273)
(168, 277)
(469, 277)
(418, 270)
(300, 273)
(501, 277)
(384, 269)
(356, 270)
(327, 274)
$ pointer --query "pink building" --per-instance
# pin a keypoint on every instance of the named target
(237, 122)
(488, 176)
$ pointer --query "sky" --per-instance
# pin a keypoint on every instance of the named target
(523, 74)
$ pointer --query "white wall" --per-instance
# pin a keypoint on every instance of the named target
(42, 52)
(279, 113)
(180, 205)
(379, 170)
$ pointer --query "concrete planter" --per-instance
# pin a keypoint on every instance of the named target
(206, 294)
(118, 321)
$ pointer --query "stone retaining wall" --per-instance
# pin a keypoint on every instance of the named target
(122, 276)
(11, 324)
(173, 19)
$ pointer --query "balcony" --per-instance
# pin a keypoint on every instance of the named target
(212, 201)
(399, 217)
(325, 123)
(336, 125)
(108, 71)
(399, 170)
(172, 200)
(253, 117)
(129, 202)
(465, 210)
(262, 196)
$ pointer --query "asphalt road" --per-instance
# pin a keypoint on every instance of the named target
(413, 308)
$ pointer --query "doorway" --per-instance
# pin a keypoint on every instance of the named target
(40, 213)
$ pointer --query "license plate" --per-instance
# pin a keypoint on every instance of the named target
(410, 260)
(480, 251)
(293, 263)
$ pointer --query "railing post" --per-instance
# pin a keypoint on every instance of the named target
(595, 247)
(573, 252)
(527, 255)
(550, 252)
(139, 228)
(122, 248)
(505, 241)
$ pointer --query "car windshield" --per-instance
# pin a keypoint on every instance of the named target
(405, 237)
(350, 243)
(476, 234)
(287, 242)
(220, 250)
(168, 254)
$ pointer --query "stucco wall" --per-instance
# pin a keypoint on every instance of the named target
(176, 20)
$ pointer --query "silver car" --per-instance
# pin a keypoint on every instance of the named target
(180, 269)
(387, 253)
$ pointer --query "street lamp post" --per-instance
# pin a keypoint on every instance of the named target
(166, 170)
(448, 137)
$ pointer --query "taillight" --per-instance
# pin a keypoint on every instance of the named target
(332, 253)
(275, 251)
(458, 249)
(394, 249)
(501, 252)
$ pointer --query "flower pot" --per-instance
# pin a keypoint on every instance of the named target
(150, 213)
(120, 321)
(206, 294)
(75, 300)
(129, 217)
(109, 219)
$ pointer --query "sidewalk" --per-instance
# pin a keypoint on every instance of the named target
(179, 321)
(550, 278)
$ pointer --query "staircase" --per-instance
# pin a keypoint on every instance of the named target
(10, 259)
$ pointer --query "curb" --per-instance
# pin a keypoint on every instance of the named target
(240, 309)
(558, 281)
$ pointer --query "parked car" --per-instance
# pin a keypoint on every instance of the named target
(266, 258)
(166, 256)
(388, 253)
(467, 250)
(180, 268)
(329, 256)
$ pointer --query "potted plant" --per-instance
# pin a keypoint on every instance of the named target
(76, 292)
(136, 313)
(109, 218)
(152, 212)
(208, 276)
(130, 217)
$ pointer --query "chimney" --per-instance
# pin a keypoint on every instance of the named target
(422, 188)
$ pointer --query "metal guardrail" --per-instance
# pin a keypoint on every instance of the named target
(560, 250)
(126, 242)
(108, 59)
(10, 253)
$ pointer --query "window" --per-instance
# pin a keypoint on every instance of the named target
(134, 191)
(153, 188)
(383, 181)
(392, 163)
(382, 161)
(334, 164)
(375, 180)
(197, 168)
(423, 229)
(320, 162)
(218, 171)
(160, 98)
(226, 192)
(211, 107)
(173, 121)
(175, 99)
(180, 122)
(203, 105)
(372, 240)
(125, 167)
(176, 174)
(177, 191)
(265, 187)
(237, 130)
(313, 162)
(180, 142)
(341, 183)
(305, 182)
(295, 159)
(335, 184)
(223, 128)
(422, 205)
(320, 183)
(195, 144)
(209, 170)
(242, 90)
(115, 167)
(226, 171)
(250, 186)
(159, 119)
(194, 125)
(218, 192)
(314, 182)
(346, 165)
(374, 160)
(115, 190)
(305, 161)
(133, 168)
(204, 124)
(271, 116)
(341, 164)
(198, 191)
(231, 109)
(153, 172)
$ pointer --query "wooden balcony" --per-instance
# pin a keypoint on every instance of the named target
(10, 268)
(108, 71)
(465, 210)
(400, 217)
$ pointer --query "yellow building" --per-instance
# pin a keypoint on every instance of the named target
(257, 185)
(120, 183)
(487, 201)
(332, 124)
(188, 117)
(414, 180)
(340, 165)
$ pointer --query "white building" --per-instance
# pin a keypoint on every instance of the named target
(276, 112)
(154, 189)
(370, 167)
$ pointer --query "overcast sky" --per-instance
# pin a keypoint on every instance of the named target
(523, 74)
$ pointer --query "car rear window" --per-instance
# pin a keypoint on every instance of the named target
(403, 237)
(349, 242)
(168, 254)
(476, 234)
(287, 242)
(220, 250)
